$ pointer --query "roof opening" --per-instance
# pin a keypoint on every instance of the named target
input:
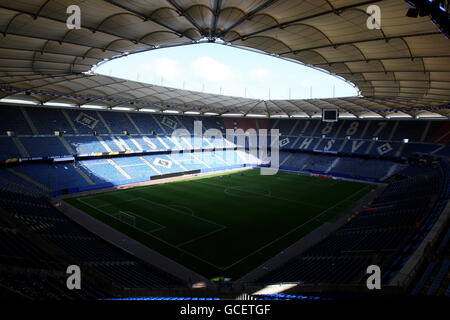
(222, 69)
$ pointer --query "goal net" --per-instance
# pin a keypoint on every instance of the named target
(127, 218)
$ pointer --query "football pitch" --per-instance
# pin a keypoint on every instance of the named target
(227, 224)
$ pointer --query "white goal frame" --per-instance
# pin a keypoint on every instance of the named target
(128, 215)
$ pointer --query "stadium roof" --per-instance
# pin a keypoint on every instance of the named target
(403, 66)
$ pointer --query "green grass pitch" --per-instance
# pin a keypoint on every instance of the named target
(224, 225)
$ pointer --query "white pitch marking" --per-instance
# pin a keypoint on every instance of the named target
(261, 248)
(289, 232)
(159, 239)
(310, 183)
(262, 195)
(226, 191)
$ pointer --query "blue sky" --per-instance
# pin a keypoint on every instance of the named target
(215, 68)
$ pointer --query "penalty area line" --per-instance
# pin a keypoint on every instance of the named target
(159, 239)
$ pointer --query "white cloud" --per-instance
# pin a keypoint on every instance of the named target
(212, 70)
(259, 74)
(164, 67)
(305, 84)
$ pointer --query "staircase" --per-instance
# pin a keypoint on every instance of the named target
(21, 147)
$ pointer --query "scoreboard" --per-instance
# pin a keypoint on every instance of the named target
(330, 115)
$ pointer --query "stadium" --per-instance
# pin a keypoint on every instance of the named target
(144, 191)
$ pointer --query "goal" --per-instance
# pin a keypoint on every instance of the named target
(127, 218)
